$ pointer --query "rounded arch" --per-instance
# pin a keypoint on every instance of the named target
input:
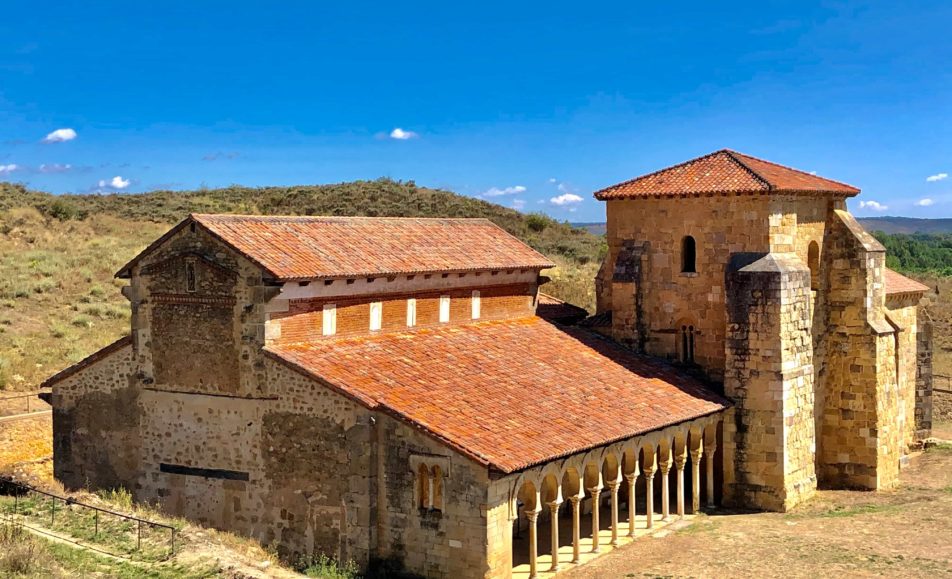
(528, 495)
(813, 262)
(688, 254)
(550, 489)
(685, 338)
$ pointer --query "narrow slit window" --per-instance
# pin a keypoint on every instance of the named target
(813, 262)
(329, 319)
(688, 255)
(476, 305)
(423, 487)
(444, 309)
(436, 502)
(191, 283)
(376, 316)
(411, 312)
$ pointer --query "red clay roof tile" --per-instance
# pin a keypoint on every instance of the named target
(896, 283)
(722, 172)
(300, 248)
(509, 394)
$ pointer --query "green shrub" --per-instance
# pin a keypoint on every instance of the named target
(82, 321)
(537, 222)
(62, 210)
(324, 567)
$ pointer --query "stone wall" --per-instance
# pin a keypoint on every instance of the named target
(96, 423)
(902, 315)
(662, 297)
(860, 442)
(769, 377)
(303, 320)
(924, 376)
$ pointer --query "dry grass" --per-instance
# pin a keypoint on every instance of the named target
(58, 299)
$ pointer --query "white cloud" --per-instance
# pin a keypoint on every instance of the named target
(497, 192)
(518, 204)
(925, 202)
(402, 135)
(937, 177)
(60, 136)
(116, 182)
(55, 168)
(7, 169)
(872, 205)
(553, 180)
(565, 199)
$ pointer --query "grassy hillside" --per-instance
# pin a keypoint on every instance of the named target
(59, 301)
(906, 225)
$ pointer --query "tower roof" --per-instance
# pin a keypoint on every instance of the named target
(724, 172)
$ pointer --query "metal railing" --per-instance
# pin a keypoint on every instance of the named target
(105, 530)
(37, 406)
(946, 382)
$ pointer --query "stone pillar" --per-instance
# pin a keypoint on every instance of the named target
(664, 466)
(613, 489)
(696, 452)
(649, 470)
(533, 516)
(554, 511)
(627, 318)
(679, 461)
(576, 528)
(709, 447)
(769, 378)
(596, 493)
(631, 479)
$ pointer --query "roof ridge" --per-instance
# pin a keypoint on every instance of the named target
(259, 216)
(732, 155)
(651, 174)
(786, 168)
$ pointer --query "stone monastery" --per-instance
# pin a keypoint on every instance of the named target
(398, 392)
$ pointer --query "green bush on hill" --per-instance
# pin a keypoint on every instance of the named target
(920, 253)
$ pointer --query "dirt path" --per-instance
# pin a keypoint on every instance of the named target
(902, 533)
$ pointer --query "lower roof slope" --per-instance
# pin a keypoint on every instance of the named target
(896, 283)
(510, 394)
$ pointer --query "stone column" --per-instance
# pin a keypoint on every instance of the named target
(554, 511)
(649, 470)
(679, 461)
(576, 528)
(709, 447)
(665, 467)
(596, 492)
(429, 486)
(532, 517)
(613, 489)
(696, 477)
(631, 479)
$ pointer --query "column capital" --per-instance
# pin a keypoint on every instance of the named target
(710, 447)
(613, 486)
(594, 490)
(554, 504)
(631, 477)
(680, 461)
(696, 457)
(665, 468)
(532, 516)
(648, 472)
(574, 499)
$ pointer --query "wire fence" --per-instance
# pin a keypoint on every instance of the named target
(945, 381)
(22, 404)
(105, 530)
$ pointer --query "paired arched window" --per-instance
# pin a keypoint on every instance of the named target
(686, 344)
(688, 255)
(429, 485)
(813, 262)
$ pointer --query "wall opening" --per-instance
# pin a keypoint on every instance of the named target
(813, 262)
(686, 335)
(688, 255)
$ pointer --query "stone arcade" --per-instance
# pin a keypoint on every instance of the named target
(397, 392)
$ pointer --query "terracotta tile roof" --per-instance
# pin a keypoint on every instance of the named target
(87, 361)
(509, 394)
(602, 320)
(555, 310)
(724, 172)
(896, 283)
(299, 248)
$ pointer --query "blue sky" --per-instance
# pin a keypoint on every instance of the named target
(529, 105)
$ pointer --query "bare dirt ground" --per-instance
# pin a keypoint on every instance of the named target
(906, 532)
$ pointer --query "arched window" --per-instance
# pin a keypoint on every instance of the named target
(437, 502)
(813, 262)
(688, 255)
(686, 337)
(423, 487)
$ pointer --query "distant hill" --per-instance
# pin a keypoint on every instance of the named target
(894, 225)
(890, 225)
(382, 197)
(595, 228)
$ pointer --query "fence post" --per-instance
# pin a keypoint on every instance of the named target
(96, 534)
(173, 540)
(52, 510)
(16, 503)
(139, 542)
